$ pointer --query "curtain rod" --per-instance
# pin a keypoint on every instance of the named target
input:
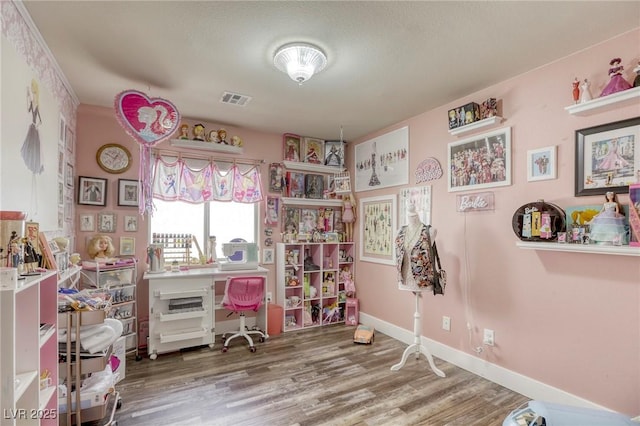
(194, 156)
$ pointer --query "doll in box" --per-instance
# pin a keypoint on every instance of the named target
(347, 280)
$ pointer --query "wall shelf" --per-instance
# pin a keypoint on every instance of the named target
(606, 103)
(206, 146)
(477, 125)
(309, 167)
(289, 201)
(580, 248)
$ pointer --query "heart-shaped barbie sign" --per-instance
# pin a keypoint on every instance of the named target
(148, 120)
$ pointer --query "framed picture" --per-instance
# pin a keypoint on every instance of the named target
(541, 164)
(419, 196)
(49, 260)
(331, 237)
(291, 147)
(334, 153)
(62, 131)
(87, 222)
(607, 157)
(273, 207)
(127, 246)
(313, 150)
(130, 223)
(493, 168)
(68, 206)
(68, 139)
(68, 180)
(382, 161)
(92, 191)
(276, 177)
(341, 183)
(60, 163)
(107, 222)
(33, 235)
(128, 192)
(377, 229)
(60, 193)
(267, 256)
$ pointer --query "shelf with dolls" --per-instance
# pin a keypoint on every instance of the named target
(207, 146)
(490, 121)
(580, 248)
(606, 103)
(313, 280)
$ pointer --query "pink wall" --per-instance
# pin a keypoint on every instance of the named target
(570, 320)
(98, 126)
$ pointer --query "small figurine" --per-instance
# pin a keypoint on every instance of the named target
(585, 95)
(347, 279)
(222, 134)
(101, 247)
(617, 83)
(636, 81)
(576, 90)
(213, 137)
(184, 132)
(348, 215)
(236, 141)
(198, 132)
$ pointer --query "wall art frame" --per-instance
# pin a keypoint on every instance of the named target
(420, 196)
(495, 169)
(128, 192)
(87, 222)
(377, 229)
(541, 164)
(291, 147)
(127, 246)
(130, 223)
(92, 191)
(607, 157)
(107, 222)
(268, 256)
(383, 161)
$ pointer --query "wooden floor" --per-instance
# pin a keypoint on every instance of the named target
(310, 377)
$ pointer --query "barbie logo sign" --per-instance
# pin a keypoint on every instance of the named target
(475, 202)
(428, 170)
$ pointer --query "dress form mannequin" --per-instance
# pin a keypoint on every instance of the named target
(413, 237)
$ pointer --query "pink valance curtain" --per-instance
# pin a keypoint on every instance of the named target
(177, 181)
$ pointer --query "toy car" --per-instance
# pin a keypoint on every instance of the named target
(363, 334)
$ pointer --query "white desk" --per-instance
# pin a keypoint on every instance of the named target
(200, 291)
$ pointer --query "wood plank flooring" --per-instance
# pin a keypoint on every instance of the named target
(310, 377)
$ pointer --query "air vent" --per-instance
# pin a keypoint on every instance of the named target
(235, 99)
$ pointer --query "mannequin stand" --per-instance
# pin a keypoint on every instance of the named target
(417, 347)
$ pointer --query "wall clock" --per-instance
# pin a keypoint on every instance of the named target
(113, 158)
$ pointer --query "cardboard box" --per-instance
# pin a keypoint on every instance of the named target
(462, 115)
(489, 108)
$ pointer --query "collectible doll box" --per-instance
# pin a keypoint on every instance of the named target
(634, 214)
(462, 115)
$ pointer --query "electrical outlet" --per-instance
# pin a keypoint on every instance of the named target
(269, 297)
(446, 323)
(488, 337)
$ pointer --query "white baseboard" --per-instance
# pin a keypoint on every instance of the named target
(517, 382)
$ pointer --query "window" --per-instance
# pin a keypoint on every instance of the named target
(224, 220)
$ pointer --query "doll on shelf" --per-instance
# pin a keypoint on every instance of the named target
(348, 215)
(101, 248)
(347, 280)
(617, 83)
(222, 135)
(198, 132)
(608, 226)
(184, 132)
(213, 137)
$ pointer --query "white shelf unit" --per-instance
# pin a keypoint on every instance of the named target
(27, 352)
(121, 282)
(311, 168)
(606, 103)
(206, 146)
(185, 309)
(300, 202)
(490, 121)
(580, 248)
(294, 282)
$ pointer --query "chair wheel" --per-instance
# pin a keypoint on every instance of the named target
(119, 404)
(252, 348)
(224, 349)
(261, 339)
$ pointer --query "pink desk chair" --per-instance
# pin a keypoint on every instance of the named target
(243, 294)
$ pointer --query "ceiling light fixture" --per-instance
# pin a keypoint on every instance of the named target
(300, 60)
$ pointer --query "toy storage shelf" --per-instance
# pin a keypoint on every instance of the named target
(206, 146)
(606, 103)
(309, 167)
(477, 125)
(580, 248)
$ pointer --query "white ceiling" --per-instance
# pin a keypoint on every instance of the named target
(388, 61)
